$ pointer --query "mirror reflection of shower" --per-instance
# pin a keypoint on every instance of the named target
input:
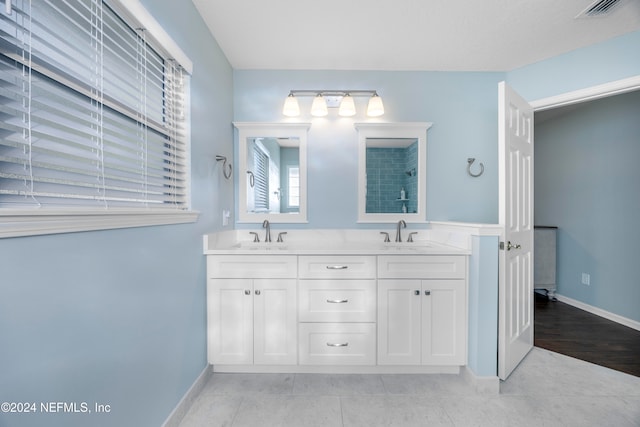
(392, 181)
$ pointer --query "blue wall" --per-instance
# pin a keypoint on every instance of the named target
(462, 106)
(604, 62)
(118, 317)
(587, 181)
(483, 306)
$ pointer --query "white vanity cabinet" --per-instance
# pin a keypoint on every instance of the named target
(251, 310)
(336, 309)
(368, 309)
(422, 305)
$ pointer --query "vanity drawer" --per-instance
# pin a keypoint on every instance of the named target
(337, 267)
(252, 267)
(337, 343)
(422, 267)
(337, 300)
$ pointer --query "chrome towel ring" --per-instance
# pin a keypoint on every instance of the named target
(470, 161)
(226, 171)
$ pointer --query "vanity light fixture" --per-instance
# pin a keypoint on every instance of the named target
(319, 106)
(291, 107)
(324, 99)
(347, 106)
(375, 107)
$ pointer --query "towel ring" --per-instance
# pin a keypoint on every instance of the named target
(225, 171)
(470, 161)
(252, 179)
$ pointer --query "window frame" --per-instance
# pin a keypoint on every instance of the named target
(40, 221)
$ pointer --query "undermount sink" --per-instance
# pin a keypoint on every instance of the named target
(349, 242)
(262, 246)
(404, 246)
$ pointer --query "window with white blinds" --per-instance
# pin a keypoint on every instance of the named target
(92, 113)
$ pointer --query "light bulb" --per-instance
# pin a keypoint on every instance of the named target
(319, 107)
(291, 107)
(375, 107)
(347, 106)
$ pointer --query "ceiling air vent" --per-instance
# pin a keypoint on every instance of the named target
(598, 8)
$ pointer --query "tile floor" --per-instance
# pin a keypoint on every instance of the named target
(547, 389)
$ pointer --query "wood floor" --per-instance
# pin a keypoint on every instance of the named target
(567, 330)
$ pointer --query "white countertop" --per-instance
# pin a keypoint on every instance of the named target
(327, 242)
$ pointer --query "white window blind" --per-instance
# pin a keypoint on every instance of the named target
(261, 179)
(91, 114)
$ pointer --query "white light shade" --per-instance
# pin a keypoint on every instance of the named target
(291, 107)
(319, 107)
(347, 106)
(375, 107)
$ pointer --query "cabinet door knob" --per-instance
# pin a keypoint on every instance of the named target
(416, 292)
(258, 292)
(427, 293)
(247, 292)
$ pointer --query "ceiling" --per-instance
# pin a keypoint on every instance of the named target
(438, 35)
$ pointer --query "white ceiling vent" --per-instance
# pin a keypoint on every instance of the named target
(599, 8)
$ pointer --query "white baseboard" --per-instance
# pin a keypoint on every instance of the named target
(600, 312)
(482, 385)
(181, 409)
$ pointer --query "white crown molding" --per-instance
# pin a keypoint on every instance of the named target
(616, 87)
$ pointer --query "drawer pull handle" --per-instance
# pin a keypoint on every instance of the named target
(337, 301)
(337, 267)
(344, 344)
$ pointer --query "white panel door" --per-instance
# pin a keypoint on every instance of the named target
(399, 322)
(275, 322)
(444, 322)
(230, 321)
(515, 335)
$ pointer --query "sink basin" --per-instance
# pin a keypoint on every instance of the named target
(322, 242)
(262, 246)
(405, 246)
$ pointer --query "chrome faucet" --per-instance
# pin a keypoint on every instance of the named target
(401, 224)
(267, 236)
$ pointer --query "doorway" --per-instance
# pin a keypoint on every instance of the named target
(586, 171)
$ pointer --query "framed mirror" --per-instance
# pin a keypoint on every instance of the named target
(392, 171)
(272, 172)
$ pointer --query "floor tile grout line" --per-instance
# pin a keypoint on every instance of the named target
(235, 415)
(293, 384)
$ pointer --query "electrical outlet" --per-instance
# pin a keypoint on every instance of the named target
(225, 217)
(586, 279)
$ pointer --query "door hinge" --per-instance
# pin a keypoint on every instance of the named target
(501, 246)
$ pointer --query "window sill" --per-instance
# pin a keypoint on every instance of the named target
(19, 223)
